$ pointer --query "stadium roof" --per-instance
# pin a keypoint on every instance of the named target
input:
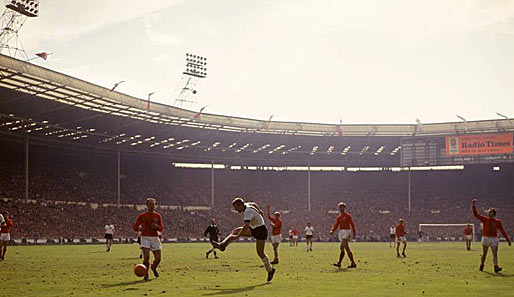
(46, 105)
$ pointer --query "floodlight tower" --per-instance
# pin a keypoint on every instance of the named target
(196, 69)
(15, 14)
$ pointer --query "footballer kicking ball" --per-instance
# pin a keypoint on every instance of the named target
(140, 270)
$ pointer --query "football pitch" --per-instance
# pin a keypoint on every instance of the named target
(430, 269)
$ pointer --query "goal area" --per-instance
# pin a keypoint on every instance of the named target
(443, 232)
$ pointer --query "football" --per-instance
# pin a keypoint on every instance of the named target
(140, 270)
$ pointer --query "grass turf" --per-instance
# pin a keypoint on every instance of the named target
(431, 269)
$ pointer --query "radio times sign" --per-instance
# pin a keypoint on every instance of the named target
(481, 144)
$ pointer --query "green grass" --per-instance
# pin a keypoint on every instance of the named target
(431, 269)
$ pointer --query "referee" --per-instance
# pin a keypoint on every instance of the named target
(213, 232)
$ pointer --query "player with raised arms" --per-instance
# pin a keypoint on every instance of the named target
(150, 222)
(346, 232)
(5, 235)
(255, 227)
(276, 233)
(400, 238)
(468, 235)
(490, 235)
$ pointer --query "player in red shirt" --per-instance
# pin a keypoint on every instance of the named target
(490, 235)
(344, 222)
(5, 235)
(468, 235)
(400, 237)
(149, 223)
(276, 233)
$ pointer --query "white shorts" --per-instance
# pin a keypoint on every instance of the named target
(276, 238)
(295, 237)
(490, 241)
(345, 234)
(5, 236)
(401, 239)
(151, 242)
(468, 237)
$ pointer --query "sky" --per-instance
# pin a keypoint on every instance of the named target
(359, 62)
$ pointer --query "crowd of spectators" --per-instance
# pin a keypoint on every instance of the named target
(376, 200)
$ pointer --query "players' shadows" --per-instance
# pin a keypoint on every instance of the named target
(125, 283)
(341, 270)
(234, 291)
(133, 258)
(498, 274)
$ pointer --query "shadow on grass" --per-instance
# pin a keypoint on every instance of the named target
(133, 258)
(338, 270)
(498, 274)
(125, 284)
(233, 291)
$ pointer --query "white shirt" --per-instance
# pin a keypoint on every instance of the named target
(392, 231)
(2, 219)
(109, 229)
(252, 214)
(309, 230)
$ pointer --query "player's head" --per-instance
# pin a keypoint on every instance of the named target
(342, 206)
(308, 224)
(469, 225)
(400, 221)
(491, 212)
(5, 213)
(277, 214)
(150, 204)
(239, 204)
(213, 221)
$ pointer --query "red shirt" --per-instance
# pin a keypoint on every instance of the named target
(490, 225)
(277, 225)
(8, 225)
(145, 220)
(468, 231)
(400, 230)
(344, 221)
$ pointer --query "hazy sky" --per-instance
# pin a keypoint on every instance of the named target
(365, 61)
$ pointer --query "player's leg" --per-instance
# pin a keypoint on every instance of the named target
(346, 246)
(156, 261)
(260, 244)
(146, 259)
(494, 250)
(404, 247)
(3, 249)
(341, 255)
(229, 239)
(397, 243)
(484, 256)
(275, 253)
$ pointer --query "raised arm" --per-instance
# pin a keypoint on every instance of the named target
(269, 216)
(475, 211)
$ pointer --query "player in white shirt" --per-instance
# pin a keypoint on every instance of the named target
(109, 234)
(2, 220)
(309, 236)
(255, 227)
(392, 236)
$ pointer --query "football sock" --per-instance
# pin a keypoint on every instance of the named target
(341, 256)
(267, 264)
(350, 255)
